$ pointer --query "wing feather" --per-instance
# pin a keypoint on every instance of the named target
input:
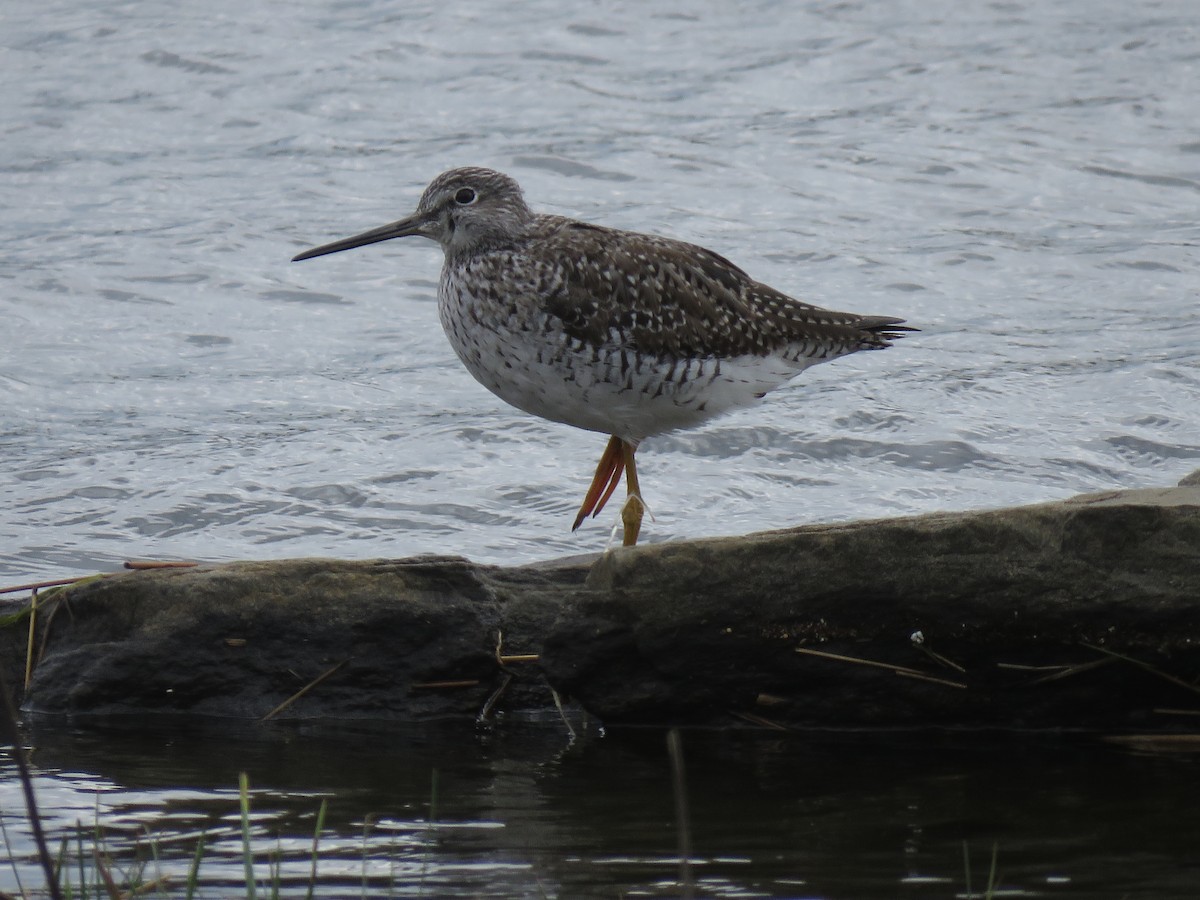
(672, 299)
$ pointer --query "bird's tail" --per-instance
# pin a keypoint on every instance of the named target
(880, 331)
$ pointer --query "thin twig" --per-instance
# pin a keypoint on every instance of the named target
(502, 660)
(1057, 667)
(1141, 665)
(442, 685)
(939, 658)
(37, 585)
(858, 661)
(304, 690)
(1074, 670)
(1188, 742)
(920, 676)
(33, 608)
(139, 564)
(60, 600)
(110, 883)
(754, 719)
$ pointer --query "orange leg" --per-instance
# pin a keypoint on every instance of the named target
(631, 512)
(618, 458)
(604, 482)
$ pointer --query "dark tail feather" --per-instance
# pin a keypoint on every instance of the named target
(883, 330)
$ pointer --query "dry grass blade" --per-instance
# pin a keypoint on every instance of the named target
(1157, 743)
(898, 670)
(859, 661)
(304, 690)
(110, 883)
(33, 611)
(60, 601)
(939, 658)
(1149, 668)
(1018, 667)
(920, 676)
(38, 585)
(503, 660)
(1074, 670)
(445, 685)
(761, 721)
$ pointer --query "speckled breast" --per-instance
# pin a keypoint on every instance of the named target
(500, 329)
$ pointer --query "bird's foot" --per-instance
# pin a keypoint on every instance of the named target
(631, 517)
(628, 525)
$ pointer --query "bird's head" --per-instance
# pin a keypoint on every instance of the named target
(464, 210)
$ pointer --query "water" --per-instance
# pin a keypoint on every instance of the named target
(524, 812)
(1019, 180)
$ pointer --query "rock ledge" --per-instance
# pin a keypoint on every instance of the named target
(1083, 613)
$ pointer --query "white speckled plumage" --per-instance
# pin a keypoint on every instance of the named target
(613, 331)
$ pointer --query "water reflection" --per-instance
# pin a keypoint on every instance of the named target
(523, 811)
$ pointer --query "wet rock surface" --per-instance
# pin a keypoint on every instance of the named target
(1083, 613)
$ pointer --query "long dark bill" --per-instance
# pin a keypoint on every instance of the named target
(402, 228)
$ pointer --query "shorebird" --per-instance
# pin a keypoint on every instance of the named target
(631, 335)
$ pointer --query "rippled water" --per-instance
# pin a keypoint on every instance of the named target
(526, 813)
(1019, 180)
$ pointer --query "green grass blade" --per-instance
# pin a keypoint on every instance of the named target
(312, 875)
(366, 851)
(247, 857)
(60, 865)
(137, 880)
(991, 888)
(83, 890)
(194, 870)
(275, 863)
(433, 797)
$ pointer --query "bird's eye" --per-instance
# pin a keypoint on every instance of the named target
(464, 197)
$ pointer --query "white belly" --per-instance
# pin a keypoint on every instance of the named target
(516, 351)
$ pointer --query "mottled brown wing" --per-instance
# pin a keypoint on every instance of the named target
(672, 299)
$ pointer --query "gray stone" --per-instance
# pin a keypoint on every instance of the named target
(950, 619)
(238, 639)
(1083, 613)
